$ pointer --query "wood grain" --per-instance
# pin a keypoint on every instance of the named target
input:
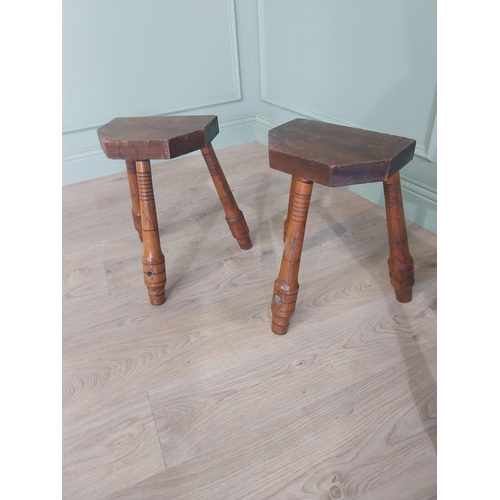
(335, 155)
(412, 484)
(108, 449)
(197, 398)
(400, 261)
(206, 409)
(156, 137)
(234, 217)
(286, 286)
(346, 435)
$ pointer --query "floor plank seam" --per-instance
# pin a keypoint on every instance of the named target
(156, 429)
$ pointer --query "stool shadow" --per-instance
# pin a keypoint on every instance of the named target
(417, 371)
(182, 265)
(262, 203)
(419, 376)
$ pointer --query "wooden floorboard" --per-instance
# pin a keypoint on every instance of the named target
(197, 398)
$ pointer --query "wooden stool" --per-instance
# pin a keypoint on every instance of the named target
(139, 140)
(313, 151)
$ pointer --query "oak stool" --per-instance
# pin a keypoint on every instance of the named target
(332, 155)
(138, 140)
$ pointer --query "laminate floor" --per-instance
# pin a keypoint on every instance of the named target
(197, 399)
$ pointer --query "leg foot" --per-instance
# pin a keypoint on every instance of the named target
(153, 261)
(286, 286)
(134, 195)
(234, 216)
(400, 261)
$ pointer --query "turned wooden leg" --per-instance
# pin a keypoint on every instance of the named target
(234, 216)
(400, 261)
(286, 287)
(134, 194)
(290, 198)
(153, 261)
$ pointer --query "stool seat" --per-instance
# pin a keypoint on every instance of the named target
(334, 155)
(156, 137)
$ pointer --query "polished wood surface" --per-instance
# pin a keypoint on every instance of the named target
(234, 216)
(196, 398)
(312, 151)
(153, 260)
(400, 261)
(290, 202)
(335, 155)
(134, 195)
(286, 286)
(156, 137)
(141, 139)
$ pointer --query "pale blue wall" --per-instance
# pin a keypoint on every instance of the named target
(256, 64)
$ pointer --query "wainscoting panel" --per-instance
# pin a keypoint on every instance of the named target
(126, 58)
(364, 64)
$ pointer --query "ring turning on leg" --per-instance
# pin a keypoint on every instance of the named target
(286, 286)
(153, 261)
(400, 261)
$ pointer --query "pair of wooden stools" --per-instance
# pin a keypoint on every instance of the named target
(310, 151)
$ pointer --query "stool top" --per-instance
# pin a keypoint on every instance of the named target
(334, 155)
(156, 137)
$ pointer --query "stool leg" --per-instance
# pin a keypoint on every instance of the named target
(400, 261)
(286, 287)
(134, 194)
(234, 216)
(290, 197)
(153, 261)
